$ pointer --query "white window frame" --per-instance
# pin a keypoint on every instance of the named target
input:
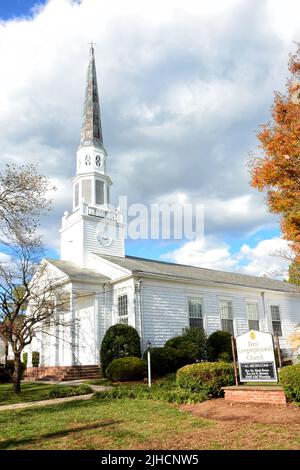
(278, 321)
(200, 300)
(122, 318)
(229, 301)
(252, 302)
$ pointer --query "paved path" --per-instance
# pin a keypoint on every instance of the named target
(54, 401)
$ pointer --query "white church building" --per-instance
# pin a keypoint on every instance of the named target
(159, 299)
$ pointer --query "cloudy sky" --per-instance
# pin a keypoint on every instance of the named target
(184, 86)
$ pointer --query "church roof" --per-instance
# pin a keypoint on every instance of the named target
(144, 266)
(76, 273)
(91, 132)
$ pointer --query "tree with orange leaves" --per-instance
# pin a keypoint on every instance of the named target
(277, 172)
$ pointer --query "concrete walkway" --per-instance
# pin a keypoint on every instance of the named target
(55, 401)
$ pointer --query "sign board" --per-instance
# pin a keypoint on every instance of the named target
(255, 351)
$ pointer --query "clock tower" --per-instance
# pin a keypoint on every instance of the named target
(93, 226)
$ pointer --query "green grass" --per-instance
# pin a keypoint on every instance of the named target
(94, 424)
(30, 391)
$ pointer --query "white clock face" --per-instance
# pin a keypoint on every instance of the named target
(103, 238)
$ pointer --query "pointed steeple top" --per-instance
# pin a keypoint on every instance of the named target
(91, 131)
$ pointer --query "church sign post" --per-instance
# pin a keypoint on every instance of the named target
(255, 351)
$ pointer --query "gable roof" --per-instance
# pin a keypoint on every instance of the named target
(142, 266)
(76, 273)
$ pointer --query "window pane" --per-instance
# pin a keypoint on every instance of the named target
(275, 313)
(253, 325)
(195, 308)
(277, 328)
(122, 306)
(226, 309)
(76, 195)
(196, 323)
(108, 196)
(227, 325)
(99, 192)
(87, 190)
(252, 311)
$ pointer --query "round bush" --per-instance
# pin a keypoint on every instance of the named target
(166, 360)
(119, 341)
(193, 342)
(206, 377)
(126, 368)
(218, 343)
(10, 367)
(289, 378)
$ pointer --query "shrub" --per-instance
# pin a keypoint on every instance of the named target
(169, 394)
(62, 391)
(193, 341)
(218, 343)
(5, 377)
(206, 377)
(10, 367)
(25, 359)
(126, 368)
(290, 380)
(166, 360)
(119, 341)
(35, 358)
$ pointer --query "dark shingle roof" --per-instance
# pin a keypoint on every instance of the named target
(148, 266)
(76, 273)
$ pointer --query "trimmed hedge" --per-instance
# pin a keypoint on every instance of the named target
(193, 342)
(119, 341)
(290, 380)
(206, 377)
(166, 360)
(126, 368)
(62, 391)
(219, 343)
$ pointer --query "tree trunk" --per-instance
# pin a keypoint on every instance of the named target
(17, 373)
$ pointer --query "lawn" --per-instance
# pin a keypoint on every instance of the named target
(29, 392)
(96, 424)
(135, 424)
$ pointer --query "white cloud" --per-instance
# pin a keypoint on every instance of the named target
(265, 259)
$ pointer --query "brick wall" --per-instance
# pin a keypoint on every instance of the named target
(271, 395)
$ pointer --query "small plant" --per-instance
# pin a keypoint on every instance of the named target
(193, 342)
(10, 367)
(35, 359)
(25, 359)
(62, 391)
(289, 378)
(126, 368)
(119, 341)
(166, 360)
(218, 343)
(206, 377)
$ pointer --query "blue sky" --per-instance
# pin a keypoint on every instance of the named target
(15, 8)
(184, 87)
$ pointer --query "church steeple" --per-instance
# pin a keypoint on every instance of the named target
(91, 132)
(94, 226)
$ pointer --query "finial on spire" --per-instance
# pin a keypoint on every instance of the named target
(91, 132)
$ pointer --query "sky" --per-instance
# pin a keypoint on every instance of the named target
(184, 87)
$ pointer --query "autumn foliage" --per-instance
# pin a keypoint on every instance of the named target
(277, 172)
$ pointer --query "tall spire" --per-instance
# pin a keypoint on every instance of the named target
(91, 131)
